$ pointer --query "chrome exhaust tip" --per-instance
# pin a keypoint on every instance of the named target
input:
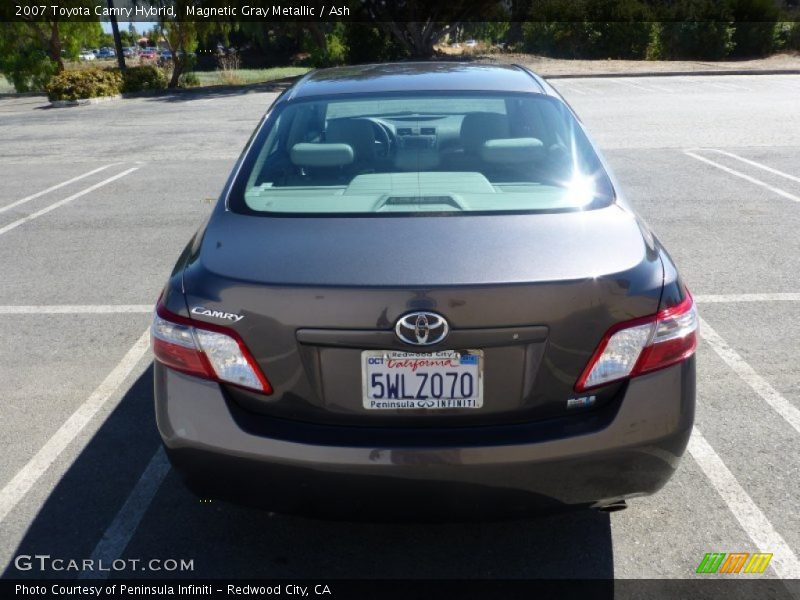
(612, 507)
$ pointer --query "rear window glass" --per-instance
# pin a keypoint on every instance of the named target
(423, 153)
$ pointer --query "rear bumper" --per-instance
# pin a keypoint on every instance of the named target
(634, 454)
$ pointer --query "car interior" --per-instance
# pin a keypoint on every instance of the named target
(319, 147)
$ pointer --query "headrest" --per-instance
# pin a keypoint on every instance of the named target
(358, 133)
(308, 154)
(478, 127)
(512, 150)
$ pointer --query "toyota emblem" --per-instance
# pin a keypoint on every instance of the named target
(422, 328)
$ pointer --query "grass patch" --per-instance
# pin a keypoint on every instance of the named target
(245, 76)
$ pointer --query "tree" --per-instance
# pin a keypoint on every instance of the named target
(182, 36)
(32, 51)
(117, 38)
(23, 60)
(418, 25)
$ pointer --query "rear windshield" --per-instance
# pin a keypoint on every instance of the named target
(421, 154)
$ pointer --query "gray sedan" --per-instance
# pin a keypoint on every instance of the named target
(422, 294)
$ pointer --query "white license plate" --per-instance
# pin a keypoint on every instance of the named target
(394, 380)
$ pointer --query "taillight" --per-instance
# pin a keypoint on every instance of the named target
(643, 345)
(205, 350)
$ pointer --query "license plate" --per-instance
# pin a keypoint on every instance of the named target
(394, 380)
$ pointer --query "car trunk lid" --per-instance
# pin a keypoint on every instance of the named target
(533, 293)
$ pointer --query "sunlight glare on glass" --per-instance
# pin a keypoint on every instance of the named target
(580, 189)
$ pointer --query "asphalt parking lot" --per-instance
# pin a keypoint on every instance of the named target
(96, 203)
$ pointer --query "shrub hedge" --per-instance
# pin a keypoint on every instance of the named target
(143, 78)
(366, 43)
(86, 83)
(94, 82)
(680, 29)
(789, 36)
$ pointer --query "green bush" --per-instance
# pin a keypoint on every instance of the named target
(567, 39)
(87, 83)
(143, 78)
(706, 40)
(557, 28)
(693, 29)
(486, 31)
(793, 39)
(787, 36)
(620, 28)
(755, 22)
(189, 80)
(654, 50)
(588, 29)
(367, 43)
(28, 70)
(335, 52)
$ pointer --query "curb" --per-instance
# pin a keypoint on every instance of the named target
(672, 73)
(278, 84)
(83, 101)
(21, 95)
(263, 86)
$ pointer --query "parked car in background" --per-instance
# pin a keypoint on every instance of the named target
(106, 53)
(164, 56)
(422, 291)
(129, 52)
(148, 54)
(471, 43)
(86, 55)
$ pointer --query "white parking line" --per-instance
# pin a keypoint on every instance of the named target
(763, 184)
(722, 298)
(757, 383)
(55, 205)
(28, 475)
(119, 533)
(55, 187)
(756, 164)
(719, 86)
(750, 517)
(630, 84)
(70, 309)
(740, 86)
(647, 85)
(723, 86)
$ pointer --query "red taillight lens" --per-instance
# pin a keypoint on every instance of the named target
(204, 350)
(643, 345)
(180, 358)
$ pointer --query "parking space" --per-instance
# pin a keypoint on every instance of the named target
(98, 201)
(766, 334)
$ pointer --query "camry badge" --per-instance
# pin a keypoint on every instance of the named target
(422, 328)
(217, 314)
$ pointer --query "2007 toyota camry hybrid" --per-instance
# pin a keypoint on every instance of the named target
(422, 293)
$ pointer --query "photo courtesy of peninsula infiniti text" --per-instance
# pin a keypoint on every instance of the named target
(422, 294)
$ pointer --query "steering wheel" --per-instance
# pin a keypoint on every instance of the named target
(384, 139)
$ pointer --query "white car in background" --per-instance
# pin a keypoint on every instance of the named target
(86, 55)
